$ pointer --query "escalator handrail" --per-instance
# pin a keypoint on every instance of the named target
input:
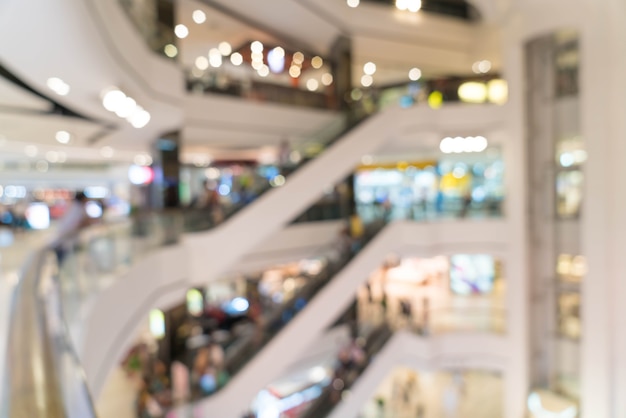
(374, 342)
(237, 362)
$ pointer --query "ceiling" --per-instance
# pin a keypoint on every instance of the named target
(93, 47)
(395, 40)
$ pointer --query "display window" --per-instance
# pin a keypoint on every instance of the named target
(421, 190)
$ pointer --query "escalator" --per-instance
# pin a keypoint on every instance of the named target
(322, 406)
(326, 301)
(242, 355)
(202, 257)
(311, 311)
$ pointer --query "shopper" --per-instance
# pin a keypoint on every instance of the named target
(467, 203)
(64, 240)
(425, 316)
(284, 156)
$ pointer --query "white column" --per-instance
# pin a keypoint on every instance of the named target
(516, 270)
(604, 211)
(597, 121)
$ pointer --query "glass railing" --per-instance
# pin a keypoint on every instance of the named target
(199, 219)
(143, 17)
(43, 376)
(161, 39)
(258, 91)
(437, 321)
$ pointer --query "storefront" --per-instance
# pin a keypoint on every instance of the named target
(435, 188)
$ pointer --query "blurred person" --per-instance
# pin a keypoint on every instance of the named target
(420, 412)
(160, 383)
(75, 219)
(284, 155)
(180, 382)
(345, 241)
(216, 353)
(384, 304)
(439, 202)
(208, 380)
(406, 309)
(147, 406)
(209, 199)
(357, 354)
(467, 203)
(368, 291)
(425, 316)
(451, 401)
(200, 364)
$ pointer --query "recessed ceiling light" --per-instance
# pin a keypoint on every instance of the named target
(58, 86)
(63, 137)
(107, 152)
(327, 79)
(294, 71)
(415, 74)
(298, 58)
(256, 46)
(202, 62)
(312, 84)
(31, 151)
(139, 118)
(369, 68)
(198, 16)
(142, 159)
(317, 62)
(236, 58)
(170, 50)
(181, 31)
(225, 48)
(52, 156)
(353, 3)
(215, 58)
(264, 71)
(113, 99)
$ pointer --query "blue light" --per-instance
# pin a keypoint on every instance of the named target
(224, 190)
(276, 61)
(566, 159)
(406, 101)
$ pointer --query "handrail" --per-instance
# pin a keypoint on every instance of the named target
(44, 376)
(243, 351)
(374, 342)
(39, 351)
(323, 405)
